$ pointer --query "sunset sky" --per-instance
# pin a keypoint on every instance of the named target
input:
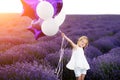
(70, 6)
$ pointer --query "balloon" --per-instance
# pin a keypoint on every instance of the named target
(57, 7)
(45, 10)
(29, 8)
(35, 28)
(59, 19)
(49, 27)
(37, 33)
(37, 23)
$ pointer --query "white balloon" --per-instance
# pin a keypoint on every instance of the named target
(45, 10)
(49, 27)
(59, 19)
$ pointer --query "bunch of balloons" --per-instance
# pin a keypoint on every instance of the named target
(47, 16)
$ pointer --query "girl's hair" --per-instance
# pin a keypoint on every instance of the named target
(84, 37)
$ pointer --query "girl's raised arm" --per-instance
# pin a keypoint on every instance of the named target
(69, 40)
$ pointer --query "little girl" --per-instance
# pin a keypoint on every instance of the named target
(78, 61)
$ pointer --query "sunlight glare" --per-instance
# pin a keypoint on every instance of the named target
(10, 6)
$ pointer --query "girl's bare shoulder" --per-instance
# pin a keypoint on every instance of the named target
(75, 46)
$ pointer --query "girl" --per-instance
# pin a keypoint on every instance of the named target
(78, 61)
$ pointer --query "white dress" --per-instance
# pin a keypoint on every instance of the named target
(78, 60)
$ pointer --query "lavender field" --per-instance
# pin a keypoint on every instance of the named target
(24, 58)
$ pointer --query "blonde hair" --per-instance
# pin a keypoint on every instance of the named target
(84, 37)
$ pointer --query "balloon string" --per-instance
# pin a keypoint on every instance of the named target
(60, 31)
(59, 69)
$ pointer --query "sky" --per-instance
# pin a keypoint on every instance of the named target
(70, 6)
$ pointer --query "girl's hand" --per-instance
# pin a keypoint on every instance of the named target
(62, 34)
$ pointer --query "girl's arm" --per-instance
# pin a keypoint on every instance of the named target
(69, 40)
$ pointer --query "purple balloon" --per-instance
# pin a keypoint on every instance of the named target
(35, 28)
(57, 7)
(37, 33)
